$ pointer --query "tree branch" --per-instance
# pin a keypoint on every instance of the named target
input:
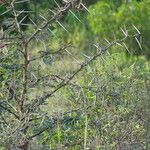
(101, 50)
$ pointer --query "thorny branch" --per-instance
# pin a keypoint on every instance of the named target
(60, 12)
(101, 50)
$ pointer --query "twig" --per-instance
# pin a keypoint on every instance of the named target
(8, 110)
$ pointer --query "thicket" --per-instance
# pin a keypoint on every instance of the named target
(70, 78)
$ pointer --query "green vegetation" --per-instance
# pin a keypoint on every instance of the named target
(106, 19)
(75, 76)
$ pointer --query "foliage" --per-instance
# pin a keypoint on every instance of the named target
(105, 20)
(99, 19)
(113, 97)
